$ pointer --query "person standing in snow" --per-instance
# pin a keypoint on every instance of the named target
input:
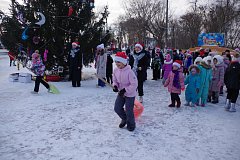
(139, 63)
(187, 64)
(109, 68)
(38, 68)
(75, 64)
(125, 83)
(167, 67)
(175, 83)
(11, 57)
(156, 67)
(101, 64)
(217, 78)
(232, 82)
(193, 84)
(205, 79)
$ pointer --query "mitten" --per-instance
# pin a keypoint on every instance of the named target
(121, 92)
(182, 89)
(115, 89)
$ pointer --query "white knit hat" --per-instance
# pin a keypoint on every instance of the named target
(100, 46)
(198, 59)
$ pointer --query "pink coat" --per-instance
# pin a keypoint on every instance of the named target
(169, 83)
(125, 78)
(167, 67)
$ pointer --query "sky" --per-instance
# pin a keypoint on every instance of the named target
(177, 7)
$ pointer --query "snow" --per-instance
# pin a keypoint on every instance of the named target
(80, 124)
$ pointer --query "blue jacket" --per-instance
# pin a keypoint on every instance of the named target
(205, 80)
(193, 83)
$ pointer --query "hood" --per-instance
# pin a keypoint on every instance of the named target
(205, 65)
(219, 60)
(198, 59)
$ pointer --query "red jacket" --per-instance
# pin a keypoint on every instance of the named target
(11, 55)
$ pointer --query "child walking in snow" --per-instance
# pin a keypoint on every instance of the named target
(175, 83)
(38, 68)
(167, 67)
(193, 84)
(125, 83)
(232, 81)
(217, 79)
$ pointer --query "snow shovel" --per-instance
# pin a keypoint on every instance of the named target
(138, 107)
(53, 89)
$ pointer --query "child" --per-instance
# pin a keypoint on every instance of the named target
(175, 83)
(205, 80)
(101, 64)
(167, 67)
(156, 66)
(125, 83)
(187, 64)
(232, 81)
(193, 82)
(217, 78)
(38, 68)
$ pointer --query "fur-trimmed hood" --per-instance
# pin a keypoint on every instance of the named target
(219, 60)
(205, 65)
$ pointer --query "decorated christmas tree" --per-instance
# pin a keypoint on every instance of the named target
(50, 26)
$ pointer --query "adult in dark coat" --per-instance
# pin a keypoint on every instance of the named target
(232, 82)
(139, 63)
(75, 64)
(175, 56)
(109, 67)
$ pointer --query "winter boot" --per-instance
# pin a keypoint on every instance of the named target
(193, 105)
(209, 99)
(141, 99)
(232, 109)
(215, 98)
(122, 124)
(33, 92)
(187, 104)
(227, 105)
(178, 104)
(172, 104)
(130, 128)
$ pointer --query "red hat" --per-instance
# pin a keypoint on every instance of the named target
(139, 45)
(177, 63)
(75, 43)
(121, 57)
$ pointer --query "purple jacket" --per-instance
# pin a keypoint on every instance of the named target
(169, 83)
(167, 67)
(38, 67)
(125, 78)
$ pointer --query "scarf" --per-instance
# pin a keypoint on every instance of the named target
(176, 82)
(137, 57)
(73, 52)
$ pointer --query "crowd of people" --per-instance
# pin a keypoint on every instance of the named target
(204, 73)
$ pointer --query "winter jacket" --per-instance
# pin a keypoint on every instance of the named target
(193, 83)
(167, 68)
(38, 67)
(217, 75)
(11, 55)
(169, 83)
(101, 65)
(232, 76)
(188, 62)
(75, 64)
(142, 63)
(109, 65)
(125, 78)
(205, 80)
(156, 63)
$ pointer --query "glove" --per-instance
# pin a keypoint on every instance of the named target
(121, 92)
(139, 68)
(197, 90)
(115, 89)
(182, 89)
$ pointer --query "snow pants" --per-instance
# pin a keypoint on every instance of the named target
(232, 95)
(39, 79)
(127, 114)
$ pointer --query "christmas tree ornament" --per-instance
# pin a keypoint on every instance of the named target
(36, 39)
(70, 11)
(42, 19)
(24, 36)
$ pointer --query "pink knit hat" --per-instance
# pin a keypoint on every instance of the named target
(168, 57)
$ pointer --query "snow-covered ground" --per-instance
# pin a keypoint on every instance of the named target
(80, 124)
